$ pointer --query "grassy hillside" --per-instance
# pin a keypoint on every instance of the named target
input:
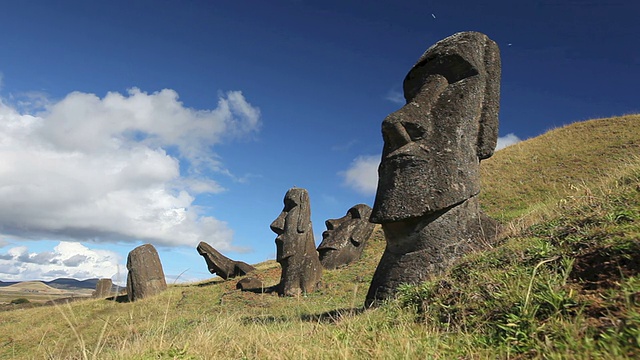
(563, 284)
(32, 286)
(539, 171)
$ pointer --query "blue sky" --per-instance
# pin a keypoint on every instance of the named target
(174, 122)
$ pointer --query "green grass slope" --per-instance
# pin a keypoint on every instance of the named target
(541, 170)
(565, 285)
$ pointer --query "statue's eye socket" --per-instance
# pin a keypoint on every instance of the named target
(289, 204)
(415, 131)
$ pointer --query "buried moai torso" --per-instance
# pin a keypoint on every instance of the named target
(344, 239)
(146, 277)
(296, 251)
(429, 179)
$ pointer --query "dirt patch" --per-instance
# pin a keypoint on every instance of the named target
(603, 268)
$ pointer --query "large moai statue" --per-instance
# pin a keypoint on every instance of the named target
(146, 277)
(222, 265)
(344, 239)
(429, 178)
(296, 250)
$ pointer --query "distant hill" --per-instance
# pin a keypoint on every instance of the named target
(33, 286)
(62, 284)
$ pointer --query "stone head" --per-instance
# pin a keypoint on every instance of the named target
(344, 238)
(293, 224)
(433, 145)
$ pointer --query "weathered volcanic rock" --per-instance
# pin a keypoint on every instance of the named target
(222, 265)
(249, 283)
(146, 277)
(296, 251)
(103, 289)
(429, 178)
(344, 239)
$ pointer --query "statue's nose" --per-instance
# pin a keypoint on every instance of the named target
(396, 135)
(277, 226)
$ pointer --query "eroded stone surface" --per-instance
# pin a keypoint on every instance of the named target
(146, 277)
(104, 289)
(295, 246)
(250, 284)
(429, 179)
(221, 265)
(344, 239)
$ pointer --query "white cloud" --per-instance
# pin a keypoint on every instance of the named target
(507, 140)
(68, 259)
(97, 168)
(395, 97)
(362, 175)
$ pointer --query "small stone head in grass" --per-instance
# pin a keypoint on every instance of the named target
(344, 239)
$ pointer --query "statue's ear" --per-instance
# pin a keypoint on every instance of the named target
(488, 130)
(304, 212)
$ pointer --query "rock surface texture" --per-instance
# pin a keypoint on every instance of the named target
(344, 239)
(221, 265)
(146, 277)
(250, 283)
(295, 247)
(429, 177)
(103, 289)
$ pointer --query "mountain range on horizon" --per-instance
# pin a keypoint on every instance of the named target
(63, 283)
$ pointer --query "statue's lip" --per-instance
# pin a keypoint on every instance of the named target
(283, 257)
(411, 150)
(404, 156)
(326, 247)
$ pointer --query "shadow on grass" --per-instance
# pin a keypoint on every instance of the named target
(262, 290)
(119, 298)
(264, 319)
(332, 316)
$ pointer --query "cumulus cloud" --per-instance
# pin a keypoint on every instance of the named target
(362, 174)
(109, 169)
(68, 259)
(507, 140)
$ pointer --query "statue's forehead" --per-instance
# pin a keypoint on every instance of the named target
(295, 196)
(461, 53)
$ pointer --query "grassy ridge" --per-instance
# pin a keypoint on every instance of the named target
(566, 286)
(542, 170)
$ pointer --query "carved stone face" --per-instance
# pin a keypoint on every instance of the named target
(344, 238)
(292, 224)
(433, 145)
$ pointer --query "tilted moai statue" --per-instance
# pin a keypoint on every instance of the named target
(222, 265)
(146, 277)
(344, 239)
(296, 250)
(104, 288)
(429, 176)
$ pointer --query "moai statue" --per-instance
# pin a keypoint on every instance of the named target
(344, 239)
(146, 277)
(296, 250)
(104, 288)
(429, 176)
(222, 265)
